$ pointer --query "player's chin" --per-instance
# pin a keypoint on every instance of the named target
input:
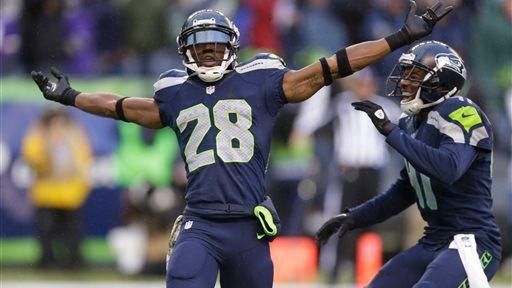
(407, 97)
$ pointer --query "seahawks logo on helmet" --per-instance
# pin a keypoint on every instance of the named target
(452, 62)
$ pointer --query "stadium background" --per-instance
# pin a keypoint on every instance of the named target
(123, 45)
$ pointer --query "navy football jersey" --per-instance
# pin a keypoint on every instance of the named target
(224, 130)
(451, 201)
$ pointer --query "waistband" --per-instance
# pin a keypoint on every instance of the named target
(218, 210)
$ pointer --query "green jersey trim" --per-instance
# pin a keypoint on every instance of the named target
(467, 116)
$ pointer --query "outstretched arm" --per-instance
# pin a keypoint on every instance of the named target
(447, 163)
(301, 84)
(396, 199)
(385, 205)
(142, 111)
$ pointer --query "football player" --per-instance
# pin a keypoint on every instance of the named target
(222, 112)
(446, 141)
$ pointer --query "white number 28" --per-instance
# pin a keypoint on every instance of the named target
(234, 142)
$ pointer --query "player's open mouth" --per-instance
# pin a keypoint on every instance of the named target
(408, 96)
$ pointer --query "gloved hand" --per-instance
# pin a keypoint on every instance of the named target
(417, 27)
(377, 115)
(341, 224)
(60, 91)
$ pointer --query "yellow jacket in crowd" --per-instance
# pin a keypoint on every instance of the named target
(59, 152)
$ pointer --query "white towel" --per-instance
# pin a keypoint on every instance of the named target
(466, 245)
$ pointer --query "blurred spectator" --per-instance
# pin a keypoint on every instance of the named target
(10, 41)
(80, 36)
(385, 17)
(108, 31)
(146, 167)
(353, 14)
(57, 149)
(145, 35)
(454, 29)
(141, 244)
(319, 28)
(263, 34)
(507, 230)
(145, 156)
(491, 48)
(42, 34)
(290, 172)
(360, 151)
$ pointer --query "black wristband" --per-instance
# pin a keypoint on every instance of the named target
(119, 109)
(398, 39)
(69, 96)
(387, 128)
(326, 72)
(344, 68)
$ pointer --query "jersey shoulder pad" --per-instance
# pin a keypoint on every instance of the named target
(261, 61)
(462, 120)
(170, 78)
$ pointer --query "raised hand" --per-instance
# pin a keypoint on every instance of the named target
(420, 26)
(59, 91)
(377, 115)
(417, 27)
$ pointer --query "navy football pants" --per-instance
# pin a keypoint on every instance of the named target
(205, 247)
(423, 267)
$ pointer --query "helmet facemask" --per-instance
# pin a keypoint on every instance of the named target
(429, 90)
(217, 37)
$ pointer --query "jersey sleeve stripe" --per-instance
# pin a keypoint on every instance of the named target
(477, 135)
(168, 82)
(449, 129)
(260, 64)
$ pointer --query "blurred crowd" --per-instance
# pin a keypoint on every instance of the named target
(94, 38)
(325, 157)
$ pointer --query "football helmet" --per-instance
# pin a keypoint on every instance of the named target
(442, 71)
(208, 26)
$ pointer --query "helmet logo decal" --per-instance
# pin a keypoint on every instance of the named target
(203, 21)
(407, 58)
(450, 61)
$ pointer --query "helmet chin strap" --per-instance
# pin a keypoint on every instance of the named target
(415, 105)
(210, 74)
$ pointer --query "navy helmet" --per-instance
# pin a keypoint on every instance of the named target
(208, 26)
(445, 75)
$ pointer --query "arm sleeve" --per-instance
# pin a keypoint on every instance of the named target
(446, 163)
(274, 94)
(396, 199)
(165, 118)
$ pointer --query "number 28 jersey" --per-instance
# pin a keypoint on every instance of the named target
(224, 130)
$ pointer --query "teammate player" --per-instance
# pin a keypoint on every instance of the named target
(222, 113)
(446, 141)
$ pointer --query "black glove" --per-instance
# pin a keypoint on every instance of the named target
(377, 115)
(341, 223)
(417, 27)
(60, 92)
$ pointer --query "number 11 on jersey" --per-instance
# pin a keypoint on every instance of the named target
(423, 187)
